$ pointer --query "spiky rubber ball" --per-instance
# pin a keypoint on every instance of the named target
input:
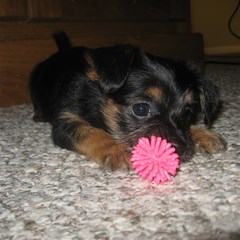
(155, 159)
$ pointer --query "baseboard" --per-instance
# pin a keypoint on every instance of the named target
(222, 50)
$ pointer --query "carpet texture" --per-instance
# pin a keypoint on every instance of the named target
(50, 193)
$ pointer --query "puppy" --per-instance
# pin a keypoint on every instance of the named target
(100, 101)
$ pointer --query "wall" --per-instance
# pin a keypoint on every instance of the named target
(211, 17)
(26, 27)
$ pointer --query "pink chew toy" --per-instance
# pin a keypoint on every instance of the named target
(154, 160)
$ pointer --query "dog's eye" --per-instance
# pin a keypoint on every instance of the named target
(141, 109)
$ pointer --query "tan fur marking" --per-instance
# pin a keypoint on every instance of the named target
(110, 112)
(189, 97)
(71, 117)
(98, 145)
(207, 141)
(155, 92)
(92, 74)
(91, 71)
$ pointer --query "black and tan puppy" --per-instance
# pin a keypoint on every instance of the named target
(100, 101)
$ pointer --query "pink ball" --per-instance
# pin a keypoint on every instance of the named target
(155, 160)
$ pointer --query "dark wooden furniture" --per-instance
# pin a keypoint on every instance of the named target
(161, 27)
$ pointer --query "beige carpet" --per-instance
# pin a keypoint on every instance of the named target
(50, 193)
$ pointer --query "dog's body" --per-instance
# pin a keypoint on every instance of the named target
(100, 101)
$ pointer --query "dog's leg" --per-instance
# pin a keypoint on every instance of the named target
(207, 141)
(74, 133)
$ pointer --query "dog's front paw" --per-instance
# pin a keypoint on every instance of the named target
(116, 157)
(206, 141)
(100, 147)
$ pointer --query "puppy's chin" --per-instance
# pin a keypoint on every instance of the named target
(182, 144)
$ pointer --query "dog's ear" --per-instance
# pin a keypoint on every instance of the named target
(113, 65)
(208, 94)
(209, 101)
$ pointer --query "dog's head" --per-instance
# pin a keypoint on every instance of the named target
(146, 95)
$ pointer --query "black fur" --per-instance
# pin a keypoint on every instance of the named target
(61, 84)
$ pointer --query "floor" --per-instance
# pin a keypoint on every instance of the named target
(51, 193)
